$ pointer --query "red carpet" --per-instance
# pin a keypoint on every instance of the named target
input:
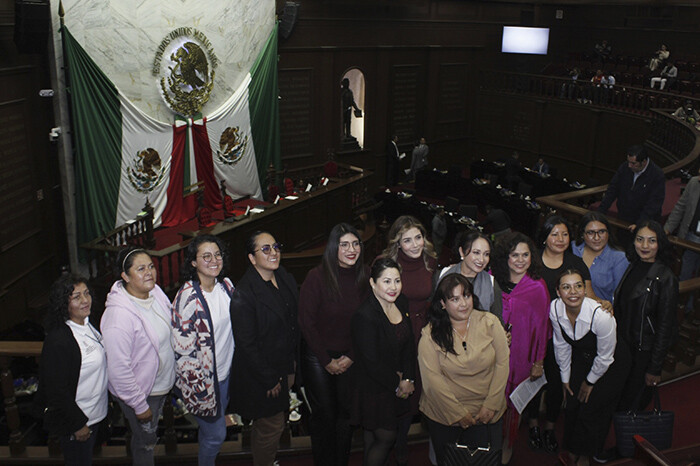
(680, 397)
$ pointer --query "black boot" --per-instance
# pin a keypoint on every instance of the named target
(535, 440)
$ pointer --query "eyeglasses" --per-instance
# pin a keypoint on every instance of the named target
(208, 257)
(345, 245)
(267, 249)
(596, 233)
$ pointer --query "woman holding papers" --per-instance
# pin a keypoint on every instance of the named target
(463, 358)
(593, 367)
(516, 266)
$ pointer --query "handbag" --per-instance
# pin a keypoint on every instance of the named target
(461, 454)
(656, 426)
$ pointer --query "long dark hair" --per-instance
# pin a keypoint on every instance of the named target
(330, 265)
(501, 251)
(547, 227)
(664, 254)
(189, 271)
(439, 319)
(59, 298)
(595, 216)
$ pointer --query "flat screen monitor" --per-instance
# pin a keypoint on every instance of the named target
(525, 40)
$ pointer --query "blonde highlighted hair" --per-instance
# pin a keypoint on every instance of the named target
(400, 226)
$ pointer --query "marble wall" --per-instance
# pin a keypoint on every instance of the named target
(122, 37)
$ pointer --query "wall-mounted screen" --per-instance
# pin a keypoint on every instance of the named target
(525, 40)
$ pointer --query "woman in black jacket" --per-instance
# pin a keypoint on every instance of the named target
(385, 361)
(265, 329)
(73, 376)
(645, 309)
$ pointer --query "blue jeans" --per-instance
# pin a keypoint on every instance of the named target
(212, 430)
(144, 435)
(689, 268)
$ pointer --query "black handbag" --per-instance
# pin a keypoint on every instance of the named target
(461, 454)
(656, 426)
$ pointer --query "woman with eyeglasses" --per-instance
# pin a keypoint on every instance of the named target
(203, 341)
(592, 366)
(264, 319)
(606, 263)
(138, 341)
(410, 248)
(73, 376)
(329, 297)
(385, 361)
(463, 358)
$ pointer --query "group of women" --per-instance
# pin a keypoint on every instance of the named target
(374, 346)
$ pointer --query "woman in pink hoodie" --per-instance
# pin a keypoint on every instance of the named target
(140, 357)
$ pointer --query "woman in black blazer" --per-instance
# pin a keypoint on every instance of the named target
(266, 333)
(385, 361)
(73, 375)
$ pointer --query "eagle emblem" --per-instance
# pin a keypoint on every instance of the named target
(146, 171)
(189, 83)
(232, 146)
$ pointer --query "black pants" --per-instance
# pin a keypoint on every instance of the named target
(76, 453)
(636, 382)
(474, 436)
(330, 400)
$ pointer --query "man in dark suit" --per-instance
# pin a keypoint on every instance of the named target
(639, 187)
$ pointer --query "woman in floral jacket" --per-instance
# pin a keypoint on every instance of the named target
(203, 341)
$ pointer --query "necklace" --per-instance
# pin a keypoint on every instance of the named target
(464, 337)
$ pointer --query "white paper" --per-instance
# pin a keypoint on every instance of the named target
(277, 199)
(525, 392)
(247, 209)
(292, 198)
(407, 171)
(308, 187)
(256, 210)
(403, 154)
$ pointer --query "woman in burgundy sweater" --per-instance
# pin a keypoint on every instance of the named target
(329, 296)
(410, 248)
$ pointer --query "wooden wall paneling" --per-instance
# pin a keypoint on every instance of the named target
(297, 110)
(32, 238)
(404, 94)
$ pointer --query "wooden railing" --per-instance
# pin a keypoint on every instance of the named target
(350, 187)
(679, 143)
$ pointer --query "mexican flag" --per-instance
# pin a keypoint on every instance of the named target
(123, 157)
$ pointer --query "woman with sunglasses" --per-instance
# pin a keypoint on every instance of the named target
(264, 319)
(606, 264)
(203, 341)
(329, 297)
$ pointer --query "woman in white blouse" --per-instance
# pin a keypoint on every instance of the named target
(593, 367)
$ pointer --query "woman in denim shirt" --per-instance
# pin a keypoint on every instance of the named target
(606, 264)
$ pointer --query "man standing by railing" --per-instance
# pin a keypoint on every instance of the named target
(638, 186)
